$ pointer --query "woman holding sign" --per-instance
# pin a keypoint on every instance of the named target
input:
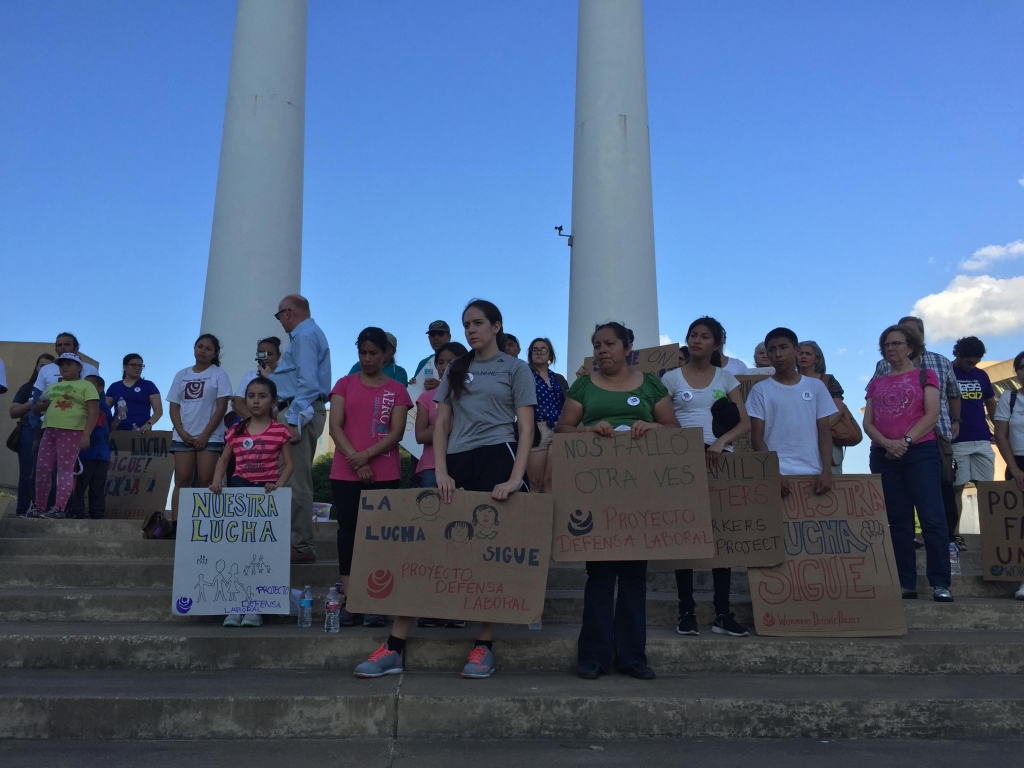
(614, 632)
(481, 397)
(364, 407)
(695, 388)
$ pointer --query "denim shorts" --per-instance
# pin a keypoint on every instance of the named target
(179, 447)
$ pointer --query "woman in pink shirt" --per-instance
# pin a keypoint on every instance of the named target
(364, 408)
(426, 413)
(902, 409)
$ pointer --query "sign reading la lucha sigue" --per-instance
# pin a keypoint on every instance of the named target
(140, 473)
(475, 559)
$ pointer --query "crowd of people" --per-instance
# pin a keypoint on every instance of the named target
(486, 420)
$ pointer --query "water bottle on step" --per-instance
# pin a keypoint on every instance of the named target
(306, 608)
(333, 606)
(954, 559)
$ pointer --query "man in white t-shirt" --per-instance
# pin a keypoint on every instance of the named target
(789, 414)
(50, 373)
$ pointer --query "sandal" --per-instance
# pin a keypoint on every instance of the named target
(960, 543)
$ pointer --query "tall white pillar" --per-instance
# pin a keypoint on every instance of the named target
(256, 244)
(612, 272)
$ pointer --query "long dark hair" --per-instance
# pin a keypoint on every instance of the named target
(717, 333)
(452, 346)
(551, 350)
(276, 342)
(624, 334)
(459, 367)
(241, 426)
(35, 368)
(216, 347)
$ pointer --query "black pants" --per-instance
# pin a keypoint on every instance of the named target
(948, 494)
(347, 494)
(614, 631)
(684, 586)
(92, 482)
(480, 469)
(1020, 465)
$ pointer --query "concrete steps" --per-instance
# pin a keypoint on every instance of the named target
(300, 704)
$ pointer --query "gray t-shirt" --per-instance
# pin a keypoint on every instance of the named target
(485, 413)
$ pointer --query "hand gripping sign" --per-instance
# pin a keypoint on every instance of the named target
(617, 498)
(475, 559)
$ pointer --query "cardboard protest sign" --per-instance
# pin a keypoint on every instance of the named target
(839, 578)
(746, 514)
(654, 360)
(747, 382)
(415, 390)
(233, 552)
(617, 498)
(140, 473)
(1001, 520)
(475, 559)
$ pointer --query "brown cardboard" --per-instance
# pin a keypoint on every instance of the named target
(839, 578)
(747, 383)
(1001, 517)
(656, 360)
(412, 557)
(746, 514)
(617, 498)
(139, 477)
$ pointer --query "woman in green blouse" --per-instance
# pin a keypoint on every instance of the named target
(614, 632)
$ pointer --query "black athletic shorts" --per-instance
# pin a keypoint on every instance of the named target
(480, 469)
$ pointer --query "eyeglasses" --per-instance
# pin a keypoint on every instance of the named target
(892, 344)
(539, 350)
(140, 366)
(277, 315)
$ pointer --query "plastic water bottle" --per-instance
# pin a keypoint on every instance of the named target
(306, 608)
(333, 606)
(954, 560)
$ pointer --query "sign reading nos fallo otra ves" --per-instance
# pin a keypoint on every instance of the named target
(746, 514)
(839, 578)
(1001, 519)
(475, 559)
(617, 498)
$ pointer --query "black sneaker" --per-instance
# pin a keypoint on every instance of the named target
(908, 594)
(687, 625)
(942, 595)
(345, 619)
(725, 624)
(960, 543)
(374, 620)
(454, 624)
(427, 623)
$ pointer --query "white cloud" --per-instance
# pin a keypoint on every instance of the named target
(865, 378)
(1021, 181)
(842, 350)
(982, 305)
(663, 339)
(931, 259)
(990, 254)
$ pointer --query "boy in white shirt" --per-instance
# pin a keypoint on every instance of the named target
(790, 413)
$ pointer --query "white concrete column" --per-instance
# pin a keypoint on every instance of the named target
(256, 244)
(612, 273)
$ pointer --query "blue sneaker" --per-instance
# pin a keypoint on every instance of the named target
(480, 664)
(382, 662)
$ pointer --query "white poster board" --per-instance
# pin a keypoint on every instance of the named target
(233, 552)
(428, 371)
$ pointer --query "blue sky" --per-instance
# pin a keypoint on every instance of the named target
(818, 165)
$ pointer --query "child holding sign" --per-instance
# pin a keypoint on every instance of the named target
(614, 631)
(694, 388)
(263, 458)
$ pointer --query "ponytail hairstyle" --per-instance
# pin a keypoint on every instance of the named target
(216, 347)
(624, 334)
(272, 340)
(241, 426)
(375, 336)
(459, 367)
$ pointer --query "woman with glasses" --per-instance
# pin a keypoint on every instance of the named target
(135, 400)
(811, 362)
(551, 388)
(900, 417)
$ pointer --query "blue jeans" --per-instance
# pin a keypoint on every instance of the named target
(915, 481)
(25, 467)
(428, 478)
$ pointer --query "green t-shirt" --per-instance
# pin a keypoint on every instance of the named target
(67, 404)
(620, 409)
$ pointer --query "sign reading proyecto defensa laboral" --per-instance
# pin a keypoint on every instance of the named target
(233, 552)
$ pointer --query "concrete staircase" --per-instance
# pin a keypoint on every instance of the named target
(89, 649)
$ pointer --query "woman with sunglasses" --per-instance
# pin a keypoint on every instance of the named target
(135, 400)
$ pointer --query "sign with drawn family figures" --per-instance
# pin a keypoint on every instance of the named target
(746, 514)
(139, 477)
(839, 578)
(617, 498)
(474, 559)
(656, 360)
(1001, 522)
(233, 552)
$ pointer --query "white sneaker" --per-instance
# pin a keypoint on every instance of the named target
(1020, 592)
(252, 620)
(233, 620)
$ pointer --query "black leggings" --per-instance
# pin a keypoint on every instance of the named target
(347, 494)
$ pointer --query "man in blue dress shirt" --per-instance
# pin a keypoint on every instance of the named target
(303, 379)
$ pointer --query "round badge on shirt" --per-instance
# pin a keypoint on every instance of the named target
(807, 396)
(247, 443)
(687, 396)
(634, 400)
(469, 378)
(138, 389)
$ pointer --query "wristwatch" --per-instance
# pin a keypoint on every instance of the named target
(908, 440)
(955, 421)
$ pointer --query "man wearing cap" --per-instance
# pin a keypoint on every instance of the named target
(303, 379)
(390, 368)
(438, 334)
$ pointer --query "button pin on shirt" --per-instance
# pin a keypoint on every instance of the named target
(634, 400)
(806, 396)
(687, 396)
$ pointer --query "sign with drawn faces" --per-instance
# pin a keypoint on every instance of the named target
(617, 498)
(233, 552)
(474, 559)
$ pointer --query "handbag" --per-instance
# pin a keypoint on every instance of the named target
(15, 437)
(846, 431)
